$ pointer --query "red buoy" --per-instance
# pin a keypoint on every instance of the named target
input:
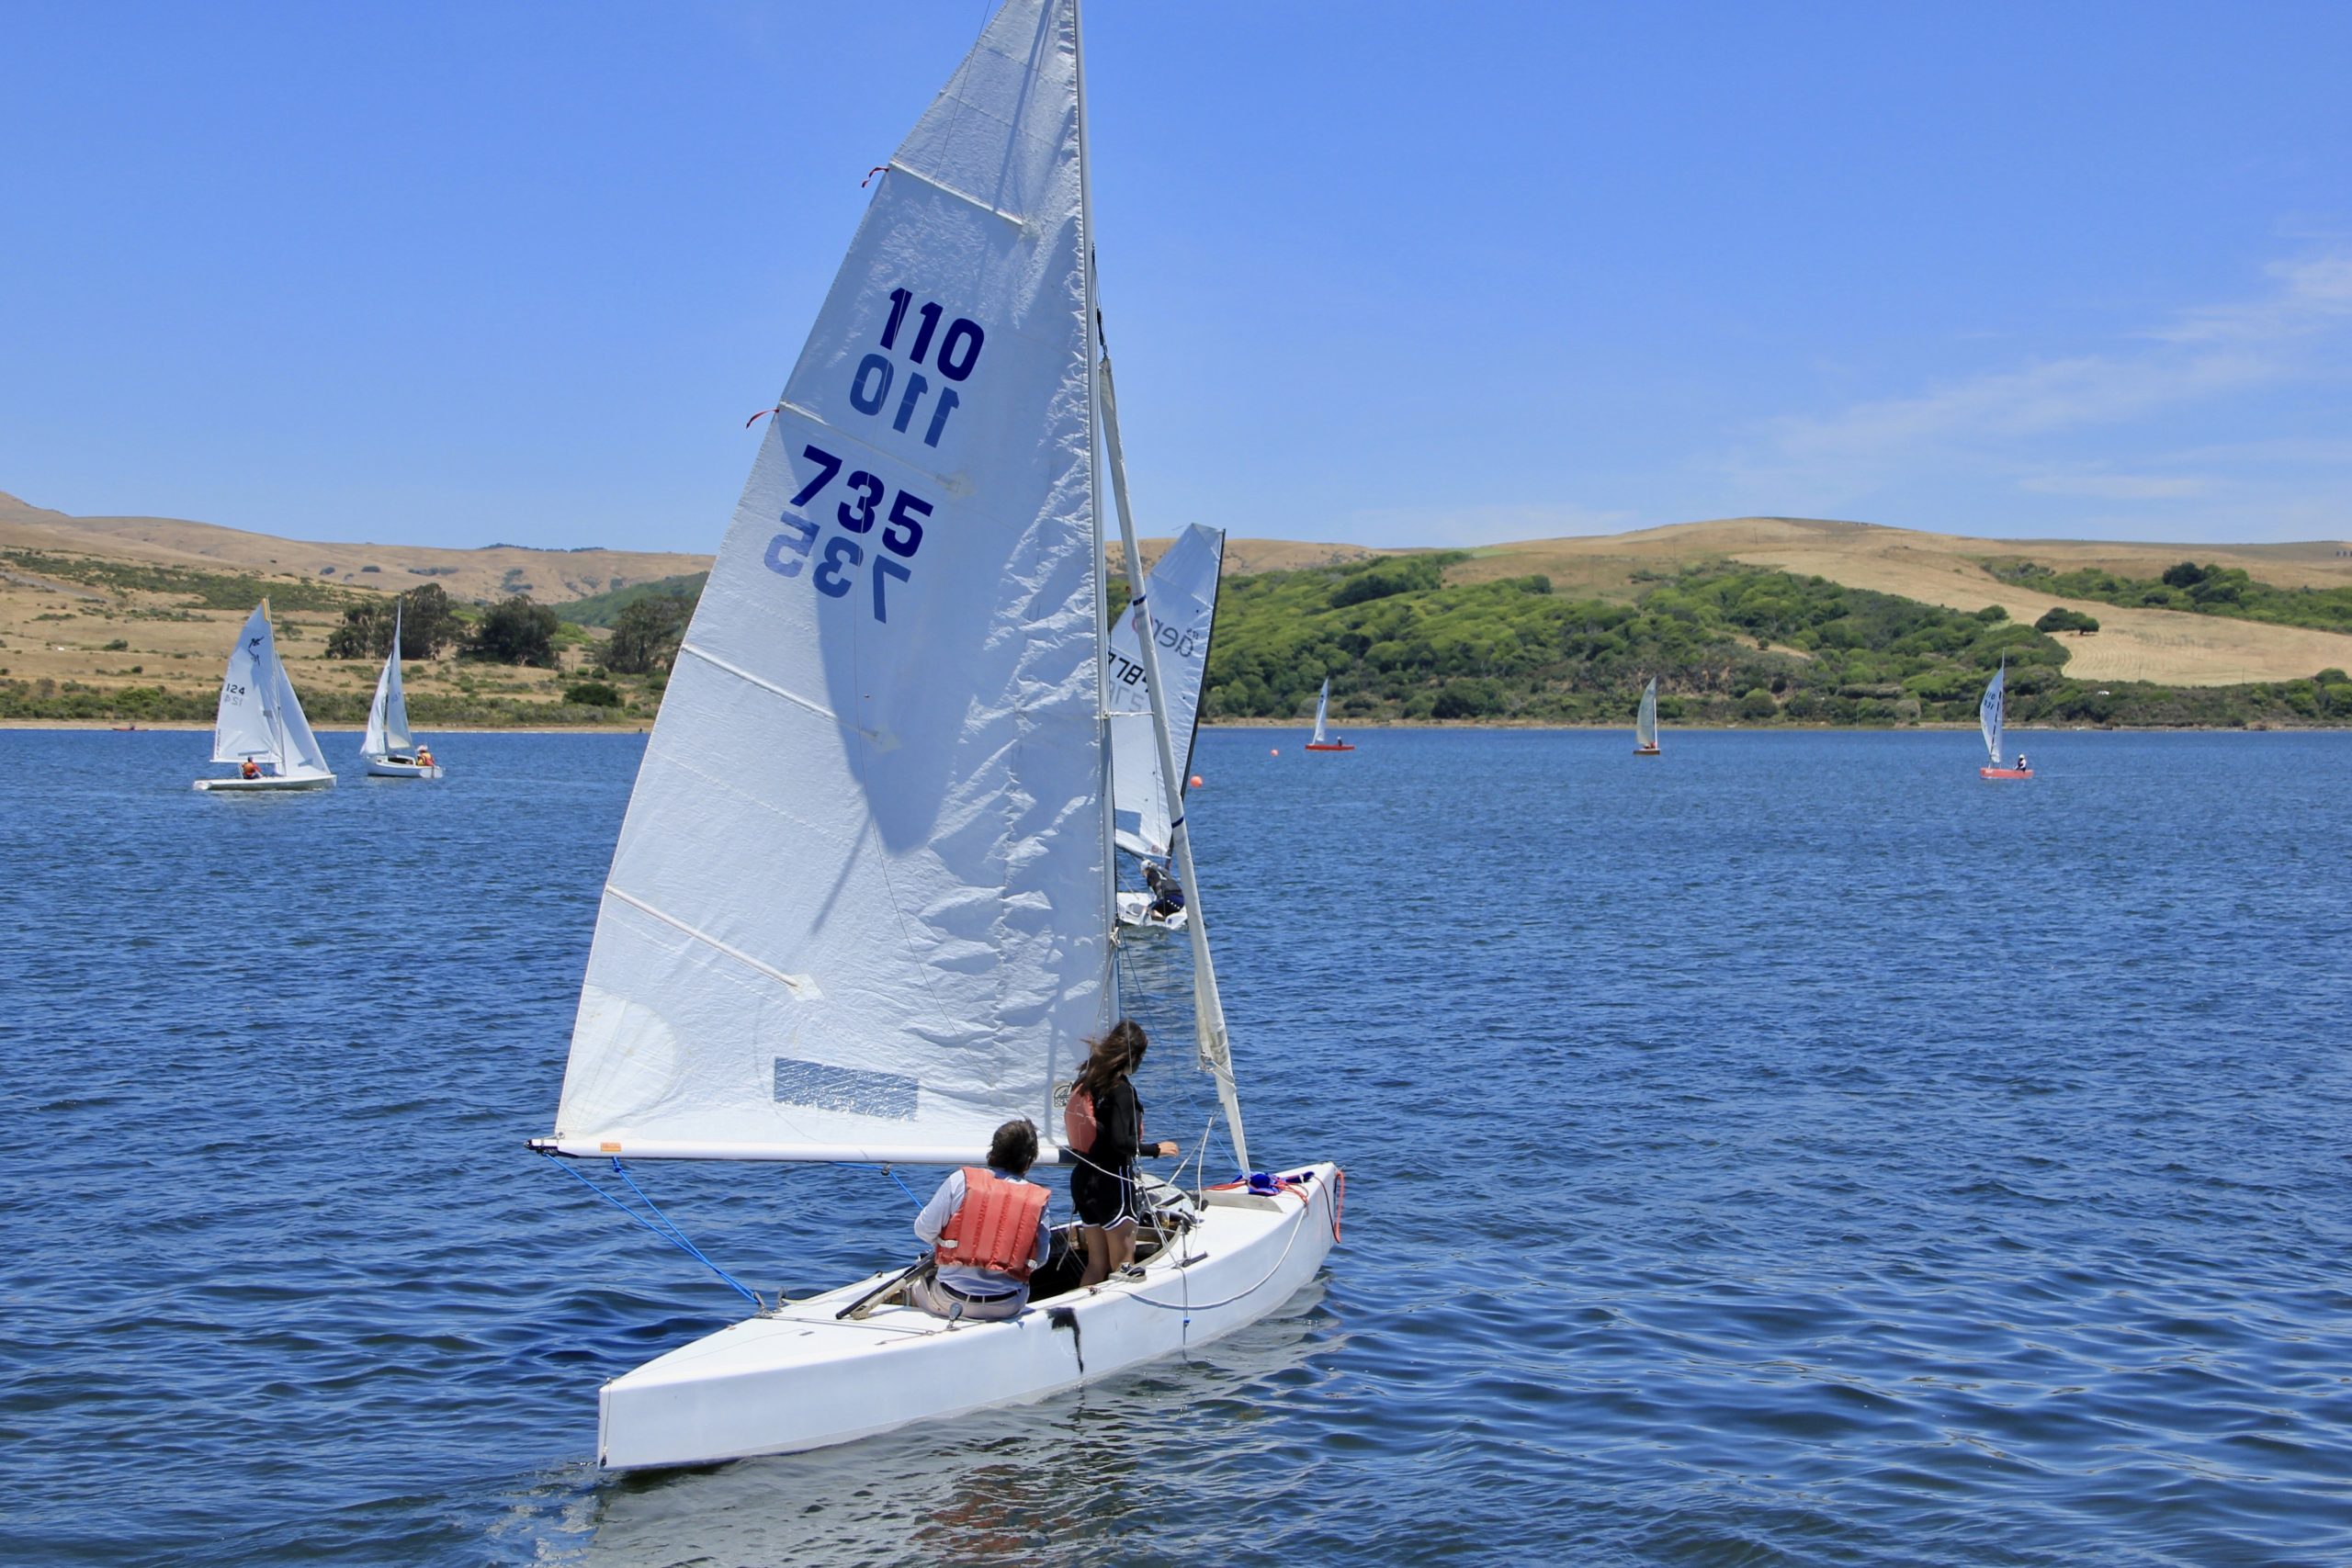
(1195, 782)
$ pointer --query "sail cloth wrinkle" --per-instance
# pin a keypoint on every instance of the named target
(1180, 594)
(882, 777)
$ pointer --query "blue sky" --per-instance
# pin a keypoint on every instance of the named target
(1394, 274)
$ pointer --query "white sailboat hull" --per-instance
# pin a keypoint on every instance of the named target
(267, 785)
(804, 1379)
(1135, 910)
(378, 768)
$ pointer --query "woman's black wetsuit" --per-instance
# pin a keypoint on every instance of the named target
(1103, 1188)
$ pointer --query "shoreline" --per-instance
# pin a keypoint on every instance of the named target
(191, 727)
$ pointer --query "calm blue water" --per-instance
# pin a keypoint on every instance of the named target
(1791, 1150)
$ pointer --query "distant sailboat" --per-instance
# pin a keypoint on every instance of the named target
(260, 721)
(1180, 592)
(1322, 741)
(861, 906)
(1645, 722)
(1989, 715)
(390, 750)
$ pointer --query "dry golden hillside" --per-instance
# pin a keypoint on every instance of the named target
(2165, 646)
(60, 629)
(552, 577)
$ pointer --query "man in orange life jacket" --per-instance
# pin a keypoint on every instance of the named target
(987, 1231)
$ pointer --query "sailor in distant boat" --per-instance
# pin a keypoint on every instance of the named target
(250, 770)
(2021, 762)
(425, 756)
(1167, 893)
(988, 1231)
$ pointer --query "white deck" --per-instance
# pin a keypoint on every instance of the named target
(266, 785)
(378, 768)
(803, 1378)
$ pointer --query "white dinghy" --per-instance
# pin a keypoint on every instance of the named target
(1645, 722)
(1180, 594)
(389, 749)
(260, 721)
(862, 906)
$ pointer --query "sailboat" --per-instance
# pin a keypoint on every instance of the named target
(1322, 739)
(1645, 722)
(1181, 594)
(1990, 712)
(260, 721)
(390, 750)
(861, 908)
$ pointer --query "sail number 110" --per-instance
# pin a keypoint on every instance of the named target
(959, 350)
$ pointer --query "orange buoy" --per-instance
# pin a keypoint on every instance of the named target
(1274, 751)
(1195, 782)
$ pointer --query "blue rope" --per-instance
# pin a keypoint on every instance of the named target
(887, 1170)
(661, 1225)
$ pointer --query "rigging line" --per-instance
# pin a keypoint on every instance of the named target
(889, 1171)
(671, 1234)
(1189, 1307)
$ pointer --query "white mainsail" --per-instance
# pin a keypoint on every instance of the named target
(861, 903)
(1645, 721)
(388, 715)
(1322, 707)
(1989, 711)
(259, 716)
(1181, 593)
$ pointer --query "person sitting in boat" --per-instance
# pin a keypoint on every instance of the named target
(988, 1233)
(1167, 893)
(249, 770)
(425, 756)
(2021, 762)
(1103, 1188)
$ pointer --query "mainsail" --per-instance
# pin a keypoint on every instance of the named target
(1181, 593)
(860, 905)
(259, 716)
(1989, 711)
(1645, 721)
(1322, 708)
(388, 715)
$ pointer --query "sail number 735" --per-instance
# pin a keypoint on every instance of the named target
(844, 552)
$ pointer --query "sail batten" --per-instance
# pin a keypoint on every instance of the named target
(868, 916)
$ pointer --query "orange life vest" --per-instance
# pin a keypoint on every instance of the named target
(1079, 1126)
(995, 1226)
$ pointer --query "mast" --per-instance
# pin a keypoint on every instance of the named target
(1208, 1006)
(1114, 1004)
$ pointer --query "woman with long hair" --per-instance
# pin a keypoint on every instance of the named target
(1103, 1188)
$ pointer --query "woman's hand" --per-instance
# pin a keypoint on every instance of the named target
(1168, 1150)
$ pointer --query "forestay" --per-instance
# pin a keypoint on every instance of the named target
(1181, 593)
(1989, 711)
(860, 903)
(388, 715)
(1645, 721)
(259, 716)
